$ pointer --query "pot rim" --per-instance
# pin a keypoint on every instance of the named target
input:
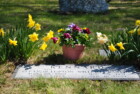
(74, 45)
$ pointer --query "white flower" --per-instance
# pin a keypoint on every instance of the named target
(102, 39)
(99, 34)
(68, 29)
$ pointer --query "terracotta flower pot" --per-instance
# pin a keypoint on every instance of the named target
(73, 53)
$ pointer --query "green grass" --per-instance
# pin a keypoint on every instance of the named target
(62, 86)
(46, 12)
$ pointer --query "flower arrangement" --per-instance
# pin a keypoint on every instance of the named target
(123, 46)
(21, 42)
(73, 35)
(73, 40)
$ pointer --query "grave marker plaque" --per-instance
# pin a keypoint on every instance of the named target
(92, 71)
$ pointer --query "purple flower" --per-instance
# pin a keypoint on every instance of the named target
(55, 39)
(71, 25)
(74, 27)
(67, 35)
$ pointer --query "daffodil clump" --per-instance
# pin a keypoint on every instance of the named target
(21, 42)
(124, 45)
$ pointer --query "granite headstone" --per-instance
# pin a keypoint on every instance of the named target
(102, 53)
(92, 71)
(90, 6)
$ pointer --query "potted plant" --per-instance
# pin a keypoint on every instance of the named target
(73, 40)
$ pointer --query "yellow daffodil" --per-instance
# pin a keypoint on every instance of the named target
(33, 37)
(112, 48)
(137, 23)
(29, 17)
(58, 41)
(60, 30)
(37, 27)
(49, 36)
(131, 31)
(121, 46)
(46, 38)
(138, 31)
(13, 42)
(2, 32)
(31, 24)
(43, 46)
(51, 32)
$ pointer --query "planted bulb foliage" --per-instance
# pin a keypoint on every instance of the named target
(21, 42)
(124, 45)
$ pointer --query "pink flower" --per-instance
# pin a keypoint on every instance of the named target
(67, 35)
(76, 28)
(55, 39)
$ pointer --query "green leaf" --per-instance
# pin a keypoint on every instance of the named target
(127, 52)
(138, 55)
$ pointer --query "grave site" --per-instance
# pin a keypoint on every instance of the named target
(70, 47)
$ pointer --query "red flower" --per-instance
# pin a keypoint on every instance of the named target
(76, 28)
(86, 30)
(67, 35)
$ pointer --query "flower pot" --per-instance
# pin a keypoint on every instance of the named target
(73, 53)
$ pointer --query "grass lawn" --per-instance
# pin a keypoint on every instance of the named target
(120, 15)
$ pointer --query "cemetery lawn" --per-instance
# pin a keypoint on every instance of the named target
(120, 15)
(62, 86)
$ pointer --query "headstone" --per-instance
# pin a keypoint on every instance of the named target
(92, 71)
(102, 53)
(107, 52)
(90, 6)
